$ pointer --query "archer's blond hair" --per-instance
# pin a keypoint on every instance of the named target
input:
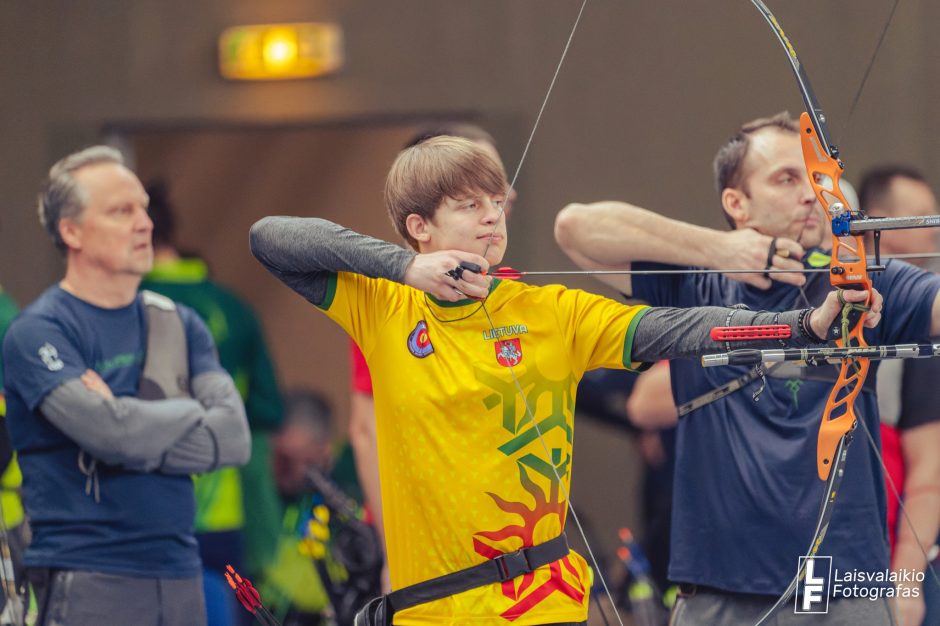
(434, 169)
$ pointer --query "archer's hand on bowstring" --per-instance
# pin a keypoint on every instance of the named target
(434, 273)
(822, 318)
(745, 248)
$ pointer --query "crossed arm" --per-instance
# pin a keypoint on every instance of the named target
(173, 436)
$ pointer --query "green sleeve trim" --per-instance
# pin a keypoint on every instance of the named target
(330, 291)
(628, 342)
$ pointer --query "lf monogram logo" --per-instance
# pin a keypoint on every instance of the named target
(812, 592)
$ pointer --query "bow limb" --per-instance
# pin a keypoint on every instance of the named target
(848, 266)
(824, 169)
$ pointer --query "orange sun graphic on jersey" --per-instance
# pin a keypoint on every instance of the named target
(526, 596)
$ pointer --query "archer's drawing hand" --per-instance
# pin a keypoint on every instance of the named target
(433, 273)
(746, 248)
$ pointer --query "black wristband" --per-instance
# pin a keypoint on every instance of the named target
(806, 329)
(782, 342)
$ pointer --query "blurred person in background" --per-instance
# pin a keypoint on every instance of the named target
(910, 415)
(308, 582)
(14, 533)
(237, 511)
(622, 399)
(114, 397)
(291, 586)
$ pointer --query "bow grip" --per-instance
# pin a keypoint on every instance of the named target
(835, 330)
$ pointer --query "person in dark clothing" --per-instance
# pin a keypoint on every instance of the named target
(114, 397)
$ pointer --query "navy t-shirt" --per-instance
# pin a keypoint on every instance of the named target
(747, 492)
(918, 400)
(143, 524)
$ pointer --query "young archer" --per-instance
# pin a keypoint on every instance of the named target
(465, 476)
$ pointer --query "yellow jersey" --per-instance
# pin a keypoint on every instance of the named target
(464, 475)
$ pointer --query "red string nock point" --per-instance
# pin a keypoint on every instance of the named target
(507, 273)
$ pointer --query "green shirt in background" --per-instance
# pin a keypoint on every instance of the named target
(10, 477)
(8, 311)
(232, 499)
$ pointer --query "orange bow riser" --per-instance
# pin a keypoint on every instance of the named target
(847, 270)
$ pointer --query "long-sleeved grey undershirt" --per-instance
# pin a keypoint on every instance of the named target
(302, 252)
(174, 436)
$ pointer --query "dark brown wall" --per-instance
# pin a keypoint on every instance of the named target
(648, 91)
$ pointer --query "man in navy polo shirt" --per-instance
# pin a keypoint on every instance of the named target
(747, 494)
(113, 399)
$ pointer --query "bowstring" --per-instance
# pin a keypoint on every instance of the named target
(531, 416)
(535, 126)
(871, 64)
(894, 489)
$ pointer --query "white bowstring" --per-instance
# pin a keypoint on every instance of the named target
(538, 120)
(512, 185)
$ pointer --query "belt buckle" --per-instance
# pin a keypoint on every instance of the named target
(512, 564)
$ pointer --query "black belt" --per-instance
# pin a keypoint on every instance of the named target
(502, 568)
(690, 589)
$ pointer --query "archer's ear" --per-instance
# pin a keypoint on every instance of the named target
(71, 233)
(735, 203)
(417, 227)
